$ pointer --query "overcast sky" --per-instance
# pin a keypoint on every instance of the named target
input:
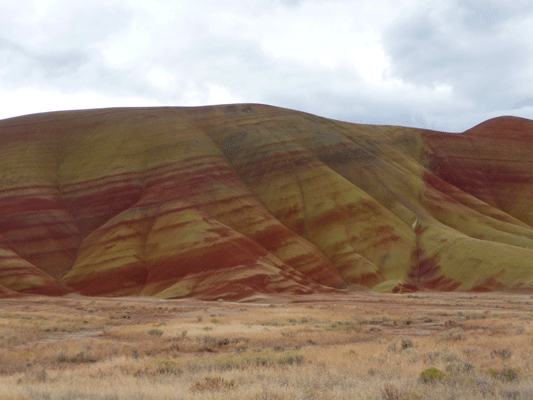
(439, 64)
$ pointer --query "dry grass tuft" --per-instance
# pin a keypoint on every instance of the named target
(216, 383)
(390, 392)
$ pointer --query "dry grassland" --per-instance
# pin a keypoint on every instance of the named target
(359, 346)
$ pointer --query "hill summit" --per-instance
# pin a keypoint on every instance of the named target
(240, 201)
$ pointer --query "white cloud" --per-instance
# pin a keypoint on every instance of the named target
(433, 63)
(29, 101)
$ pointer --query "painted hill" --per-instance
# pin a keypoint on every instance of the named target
(242, 200)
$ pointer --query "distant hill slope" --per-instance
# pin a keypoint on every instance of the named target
(237, 201)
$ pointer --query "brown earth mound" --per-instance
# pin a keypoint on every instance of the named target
(238, 201)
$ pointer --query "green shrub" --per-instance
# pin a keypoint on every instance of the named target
(291, 359)
(506, 374)
(431, 375)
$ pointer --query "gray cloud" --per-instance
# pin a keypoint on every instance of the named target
(57, 49)
(66, 71)
(480, 49)
(23, 66)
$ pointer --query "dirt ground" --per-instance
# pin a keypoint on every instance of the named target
(360, 345)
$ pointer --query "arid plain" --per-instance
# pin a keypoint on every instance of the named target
(361, 345)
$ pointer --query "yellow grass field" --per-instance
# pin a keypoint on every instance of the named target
(363, 345)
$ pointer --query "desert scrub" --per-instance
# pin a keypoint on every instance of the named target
(431, 375)
(155, 332)
(39, 376)
(403, 344)
(84, 356)
(504, 354)
(291, 359)
(260, 360)
(240, 339)
(451, 335)
(450, 323)
(349, 326)
(454, 363)
(505, 375)
(406, 343)
(163, 366)
(426, 319)
(390, 392)
(385, 321)
(210, 343)
(459, 366)
(273, 323)
(216, 383)
(221, 363)
(444, 355)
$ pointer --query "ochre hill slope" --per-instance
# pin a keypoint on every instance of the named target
(243, 200)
